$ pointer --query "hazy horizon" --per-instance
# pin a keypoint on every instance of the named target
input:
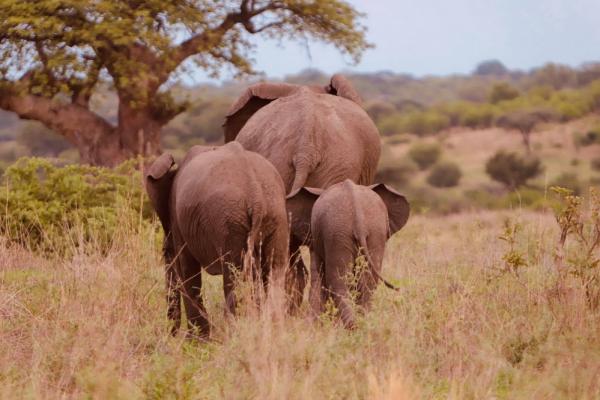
(439, 38)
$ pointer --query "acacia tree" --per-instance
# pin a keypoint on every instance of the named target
(54, 53)
(525, 121)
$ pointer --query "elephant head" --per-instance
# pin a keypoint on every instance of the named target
(300, 203)
(159, 179)
(259, 95)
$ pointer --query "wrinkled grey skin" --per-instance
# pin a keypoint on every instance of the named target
(314, 136)
(220, 203)
(345, 221)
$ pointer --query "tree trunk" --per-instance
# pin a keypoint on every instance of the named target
(98, 142)
(138, 130)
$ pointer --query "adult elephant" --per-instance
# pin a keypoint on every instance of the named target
(218, 204)
(314, 136)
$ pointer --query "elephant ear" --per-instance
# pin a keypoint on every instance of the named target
(159, 179)
(299, 206)
(253, 99)
(341, 86)
(397, 206)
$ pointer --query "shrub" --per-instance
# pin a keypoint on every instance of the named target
(423, 123)
(395, 172)
(502, 91)
(425, 154)
(444, 174)
(51, 208)
(477, 116)
(595, 162)
(417, 122)
(511, 169)
(587, 139)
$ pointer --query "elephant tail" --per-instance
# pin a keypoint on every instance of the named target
(255, 216)
(365, 249)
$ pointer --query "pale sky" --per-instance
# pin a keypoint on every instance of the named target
(441, 37)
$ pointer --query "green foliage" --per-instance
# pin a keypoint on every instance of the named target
(61, 50)
(502, 91)
(444, 174)
(396, 172)
(50, 208)
(512, 169)
(525, 120)
(514, 259)
(417, 122)
(506, 108)
(76, 36)
(425, 154)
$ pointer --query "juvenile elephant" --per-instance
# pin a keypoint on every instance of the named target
(344, 221)
(314, 136)
(220, 203)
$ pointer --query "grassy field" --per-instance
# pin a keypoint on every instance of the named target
(463, 326)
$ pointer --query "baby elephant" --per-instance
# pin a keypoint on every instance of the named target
(345, 221)
(220, 203)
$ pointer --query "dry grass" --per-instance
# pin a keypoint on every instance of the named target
(94, 326)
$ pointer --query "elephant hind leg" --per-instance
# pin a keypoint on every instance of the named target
(274, 258)
(317, 294)
(173, 282)
(173, 298)
(191, 291)
(229, 287)
(368, 280)
(297, 274)
(337, 261)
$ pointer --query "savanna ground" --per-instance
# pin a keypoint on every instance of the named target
(465, 324)
(489, 307)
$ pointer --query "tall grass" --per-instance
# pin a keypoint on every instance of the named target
(463, 326)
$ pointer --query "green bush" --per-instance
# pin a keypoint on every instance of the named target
(528, 198)
(512, 169)
(478, 116)
(502, 91)
(425, 154)
(395, 172)
(444, 174)
(55, 209)
(417, 122)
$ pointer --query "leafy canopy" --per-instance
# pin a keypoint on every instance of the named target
(67, 45)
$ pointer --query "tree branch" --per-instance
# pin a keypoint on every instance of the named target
(202, 41)
(73, 121)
